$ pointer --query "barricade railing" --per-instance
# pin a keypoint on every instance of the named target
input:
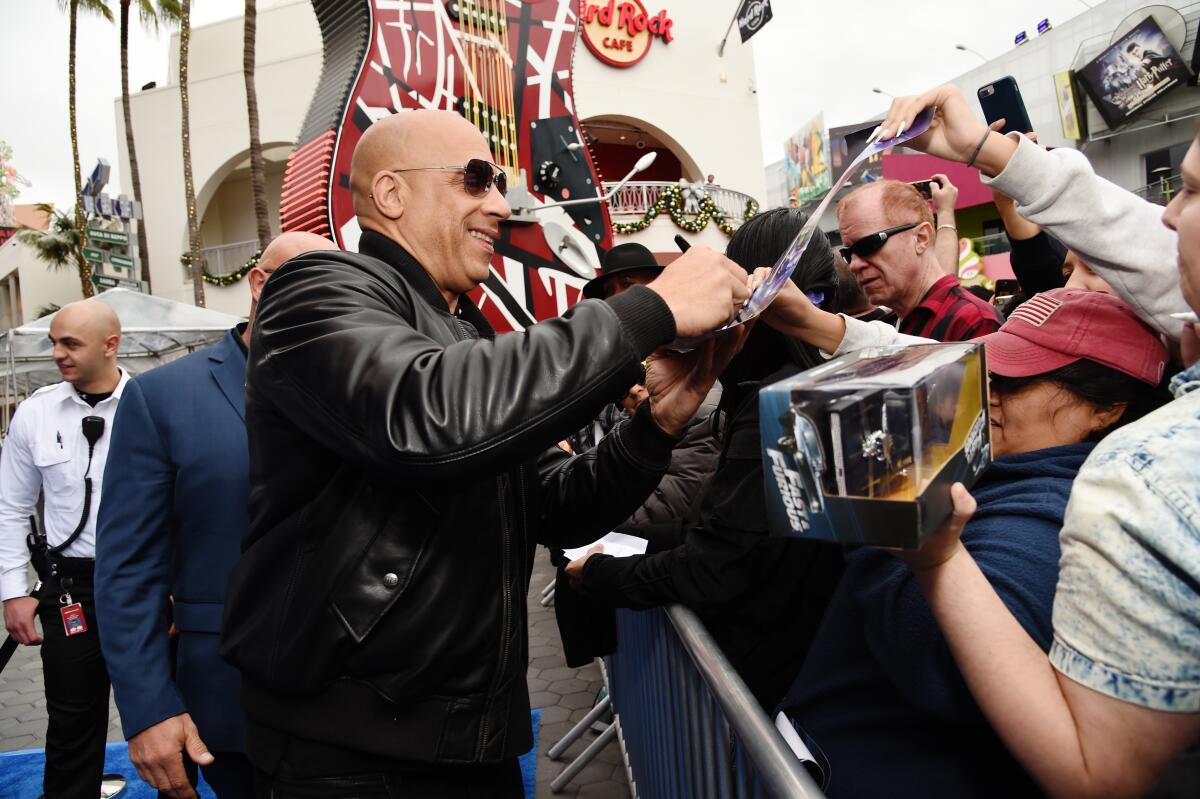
(689, 726)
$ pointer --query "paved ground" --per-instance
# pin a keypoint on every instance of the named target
(23, 704)
(564, 695)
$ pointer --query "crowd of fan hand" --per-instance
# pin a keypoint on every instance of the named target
(1047, 638)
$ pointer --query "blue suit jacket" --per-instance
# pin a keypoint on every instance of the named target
(171, 521)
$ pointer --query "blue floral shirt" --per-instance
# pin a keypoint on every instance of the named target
(1127, 606)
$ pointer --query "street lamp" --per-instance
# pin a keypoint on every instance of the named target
(966, 49)
(885, 94)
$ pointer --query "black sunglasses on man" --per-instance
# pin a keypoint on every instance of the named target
(478, 176)
(869, 245)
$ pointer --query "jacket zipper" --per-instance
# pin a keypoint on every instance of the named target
(506, 579)
(524, 522)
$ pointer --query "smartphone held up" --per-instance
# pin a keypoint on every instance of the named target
(1001, 99)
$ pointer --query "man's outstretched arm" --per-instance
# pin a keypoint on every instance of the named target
(584, 497)
(408, 405)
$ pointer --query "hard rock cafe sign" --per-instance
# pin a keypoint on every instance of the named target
(620, 33)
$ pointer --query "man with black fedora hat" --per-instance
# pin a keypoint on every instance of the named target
(625, 265)
(695, 457)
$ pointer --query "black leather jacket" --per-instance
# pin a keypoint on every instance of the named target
(402, 470)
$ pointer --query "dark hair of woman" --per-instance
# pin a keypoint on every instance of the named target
(759, 242)
(1099, 386)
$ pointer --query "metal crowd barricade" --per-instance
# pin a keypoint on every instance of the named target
(689, 726)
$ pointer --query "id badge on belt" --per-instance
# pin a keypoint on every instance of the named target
(72, 616)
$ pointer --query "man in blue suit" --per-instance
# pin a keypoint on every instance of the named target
(170, 529)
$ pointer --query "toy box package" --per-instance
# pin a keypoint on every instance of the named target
(864, 449)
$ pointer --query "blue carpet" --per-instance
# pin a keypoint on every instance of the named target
(21, 772)
(530, 758)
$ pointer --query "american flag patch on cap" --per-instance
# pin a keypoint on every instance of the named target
(1037, 310)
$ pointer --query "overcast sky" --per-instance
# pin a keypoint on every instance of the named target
(812, 57)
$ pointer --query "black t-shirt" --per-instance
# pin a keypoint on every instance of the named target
(94, 399)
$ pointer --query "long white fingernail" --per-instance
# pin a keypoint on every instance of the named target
(875, 134)
(903, 127)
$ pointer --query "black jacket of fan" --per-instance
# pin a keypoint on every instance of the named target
(403, 466)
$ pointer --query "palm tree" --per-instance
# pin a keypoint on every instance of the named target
(94, 7)
(257, 182)
(60, 244)
(168, 10)
(197, 266)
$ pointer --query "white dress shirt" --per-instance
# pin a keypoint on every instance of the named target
(46, 449)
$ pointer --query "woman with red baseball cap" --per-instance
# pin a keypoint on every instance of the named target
(880, 686)
(1071, 365)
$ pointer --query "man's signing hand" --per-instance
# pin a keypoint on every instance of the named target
(703, 289)
(679, 381)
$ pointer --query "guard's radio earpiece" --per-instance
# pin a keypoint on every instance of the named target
(93, 428)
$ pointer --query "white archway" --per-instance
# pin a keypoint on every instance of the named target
(691, 169)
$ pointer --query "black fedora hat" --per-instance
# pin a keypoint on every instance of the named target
(620, 259)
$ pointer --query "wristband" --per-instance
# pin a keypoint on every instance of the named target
(979, 147)
(951, 227)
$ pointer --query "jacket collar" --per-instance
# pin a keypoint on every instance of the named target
(227, 363)
(379, 246)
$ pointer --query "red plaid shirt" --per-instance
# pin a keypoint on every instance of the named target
(951, 313)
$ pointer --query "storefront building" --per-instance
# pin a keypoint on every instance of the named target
(1065, 74)
(645, 77)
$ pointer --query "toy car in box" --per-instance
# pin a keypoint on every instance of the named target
(864, 449)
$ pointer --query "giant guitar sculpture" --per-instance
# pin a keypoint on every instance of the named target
(505, 65)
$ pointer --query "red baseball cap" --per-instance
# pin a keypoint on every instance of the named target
(1056, 328)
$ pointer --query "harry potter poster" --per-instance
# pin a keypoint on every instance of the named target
(1135, 71)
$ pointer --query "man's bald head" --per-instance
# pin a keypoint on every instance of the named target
(86, 336)
(87, 315)
(403, 190)
(409, 139)
(282, 249)
(287, 246)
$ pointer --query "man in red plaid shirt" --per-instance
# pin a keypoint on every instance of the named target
(889, 233)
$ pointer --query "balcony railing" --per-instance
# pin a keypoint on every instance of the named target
(638, 197)
(225, 259)
(1161, 191)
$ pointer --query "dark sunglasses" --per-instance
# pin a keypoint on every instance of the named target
(478, 176)
(869, 245)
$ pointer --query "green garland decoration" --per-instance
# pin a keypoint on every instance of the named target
(671, 202)
(223, 280)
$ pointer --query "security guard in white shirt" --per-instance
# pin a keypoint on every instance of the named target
(57, 443)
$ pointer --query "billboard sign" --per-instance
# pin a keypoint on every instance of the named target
(1131, 74)
(1068, 106)
(806, 162)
